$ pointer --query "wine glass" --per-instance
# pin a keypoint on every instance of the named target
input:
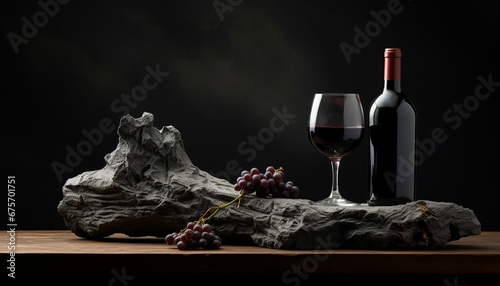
(336, 127)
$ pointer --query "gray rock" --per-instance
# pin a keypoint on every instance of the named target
(149, 186)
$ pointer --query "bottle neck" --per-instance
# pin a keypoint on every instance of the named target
(392, 74)
(394, 85)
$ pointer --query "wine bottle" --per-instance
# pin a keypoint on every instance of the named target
(392, 128)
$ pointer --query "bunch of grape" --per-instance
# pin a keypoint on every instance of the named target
(194, 236)
(271, 183)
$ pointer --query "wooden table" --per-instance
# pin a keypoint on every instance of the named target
(63, 252)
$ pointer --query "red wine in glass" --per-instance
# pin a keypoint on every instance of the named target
(336, 141)
(336, 128)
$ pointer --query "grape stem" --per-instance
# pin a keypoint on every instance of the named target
(202, 220)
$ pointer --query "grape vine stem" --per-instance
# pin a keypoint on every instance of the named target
(202, 220)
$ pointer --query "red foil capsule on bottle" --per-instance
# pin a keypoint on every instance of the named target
(392, 70)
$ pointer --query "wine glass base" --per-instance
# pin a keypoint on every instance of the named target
(341, 202)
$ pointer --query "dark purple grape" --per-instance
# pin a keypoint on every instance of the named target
(206, 228)
(205, 235)
(211, 237)
(250, 185)
(247, 177)
(189, 233)
(244, 172)
(254, 171)
(181, 245)
(285, 194)
(271, 182)
(203, 243)
(216, 244)
(268, 175)
(169, 239)
(196, 235)
(277, 177)
(237, 187)
(197, 227)
(242, 184)
(191, 224)
(281, 186)
(289, 188)
(282, 174)
(270, 169)
(192, 244)
(295, 190)
(184, 237)
(256, 178)
(177, 239)
(264, 183)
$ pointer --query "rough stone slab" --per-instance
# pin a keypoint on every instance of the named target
(149, 186)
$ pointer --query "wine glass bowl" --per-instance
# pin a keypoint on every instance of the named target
(336, 128)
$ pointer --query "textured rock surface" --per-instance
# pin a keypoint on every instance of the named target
(150, 187)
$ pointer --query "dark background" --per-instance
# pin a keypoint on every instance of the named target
(227, 76)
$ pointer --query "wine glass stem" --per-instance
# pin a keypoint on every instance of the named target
(335, 194)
